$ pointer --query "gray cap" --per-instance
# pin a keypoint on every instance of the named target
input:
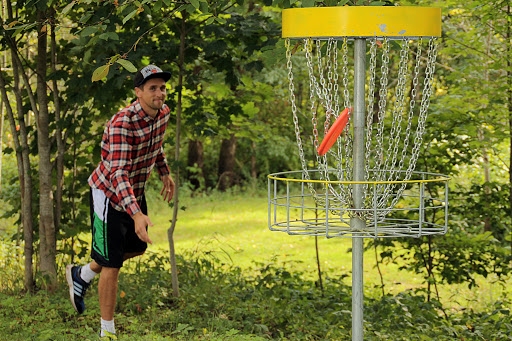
(149, 72)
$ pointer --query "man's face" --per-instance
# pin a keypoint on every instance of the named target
(152, 95)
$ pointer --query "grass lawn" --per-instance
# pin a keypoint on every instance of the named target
(234, 228)
(235, 225)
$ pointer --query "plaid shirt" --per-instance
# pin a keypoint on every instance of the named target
(131, 146)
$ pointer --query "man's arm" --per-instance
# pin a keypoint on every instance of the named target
(120, 162)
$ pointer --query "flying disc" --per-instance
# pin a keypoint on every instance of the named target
(334, 132)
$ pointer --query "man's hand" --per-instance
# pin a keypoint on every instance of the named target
(141, 222)
(168, 189)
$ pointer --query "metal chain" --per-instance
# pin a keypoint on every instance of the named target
(383, 96)
(330, 109)
(343, 144)
(397, 113)
(348, 145)
(291, 89)
(371, 101)
(345, 173)
(335, 76)
(383, 155)
(425, 102)
(318, 90)
(325, 97)
(394, 165)
(412, 105)
(406, 139)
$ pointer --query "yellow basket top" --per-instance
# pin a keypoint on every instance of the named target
(361, 21)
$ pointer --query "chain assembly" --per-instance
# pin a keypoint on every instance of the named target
(395, 123)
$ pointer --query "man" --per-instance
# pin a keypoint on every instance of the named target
(131, 146)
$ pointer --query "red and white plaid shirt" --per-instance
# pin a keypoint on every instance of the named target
(131, 146)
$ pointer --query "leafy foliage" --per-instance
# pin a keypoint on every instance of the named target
(221, 302)
(237, 85)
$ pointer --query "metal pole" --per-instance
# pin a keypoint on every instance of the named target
(356, 224)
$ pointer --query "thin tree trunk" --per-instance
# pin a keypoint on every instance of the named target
(485, 154)
(254, 170)
(195, 160)
(227, 163)
(47, 233)
(61, 148)
(509, 95)
(1, 136)
(20, 139)
(21, 147)
(170, 231)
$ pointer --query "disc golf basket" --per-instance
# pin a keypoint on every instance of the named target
(374, 65)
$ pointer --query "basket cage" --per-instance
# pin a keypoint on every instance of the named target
(398, 85)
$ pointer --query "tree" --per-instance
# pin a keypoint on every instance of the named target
(39, 106)
(48, 84)
(466, 139)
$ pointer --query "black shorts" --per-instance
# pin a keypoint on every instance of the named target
(113, 232)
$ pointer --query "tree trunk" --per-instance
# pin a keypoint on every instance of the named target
(195, 160)
(227, 176)
(485, 154)
(47, 233)
(509, 95)
(254, 169)
(20, 140)
(179, 88)
(61, 147)
(19, 133)
(1, 135)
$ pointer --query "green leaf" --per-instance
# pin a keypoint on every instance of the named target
(308, 3)
(100, 72)
(181, 8)
(189, 8)
(129, 16)
(109, 35)
(68, 7)
(127, 65)
(89, 30)
(220, 20)
(195, 3)
(85, 18)
(250, 110)
(22, 28)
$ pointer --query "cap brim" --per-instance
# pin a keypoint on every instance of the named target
(163, 75)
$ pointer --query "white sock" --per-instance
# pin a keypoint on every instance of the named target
(107, 326)
(87, 274)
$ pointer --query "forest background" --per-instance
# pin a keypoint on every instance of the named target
(66, 67)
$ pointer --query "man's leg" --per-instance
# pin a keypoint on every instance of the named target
(95, 267)
(107, 287)
(107, 290)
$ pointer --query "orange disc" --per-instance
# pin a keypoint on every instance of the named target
(334, 132)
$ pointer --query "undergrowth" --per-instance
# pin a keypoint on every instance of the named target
(219, 301)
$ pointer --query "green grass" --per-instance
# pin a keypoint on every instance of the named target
(236, 225)
(241, 281)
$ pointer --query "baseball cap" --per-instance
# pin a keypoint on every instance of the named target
(149, 72)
